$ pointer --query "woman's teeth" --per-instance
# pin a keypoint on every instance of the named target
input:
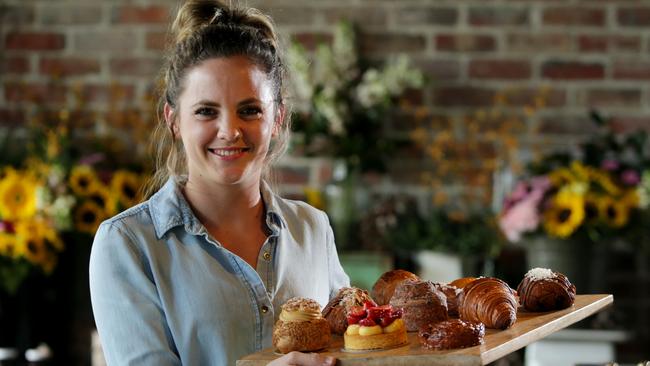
(228, 152)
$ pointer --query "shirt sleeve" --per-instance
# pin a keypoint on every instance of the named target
(128, 313)
(337, 276)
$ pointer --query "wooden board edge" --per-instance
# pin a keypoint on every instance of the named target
(548, 328)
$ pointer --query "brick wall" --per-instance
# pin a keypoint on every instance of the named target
(590, 54)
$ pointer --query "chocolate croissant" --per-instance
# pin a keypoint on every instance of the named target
(489, 301)
(337, 309)
(542, 289)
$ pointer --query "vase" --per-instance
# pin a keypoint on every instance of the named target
(8, 328)
(581, 261)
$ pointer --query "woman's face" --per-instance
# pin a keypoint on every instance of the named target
(226, 117)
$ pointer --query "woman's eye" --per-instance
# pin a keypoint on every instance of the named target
(250, 112)
(206, 112)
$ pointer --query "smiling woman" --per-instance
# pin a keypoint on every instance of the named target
(195, 274)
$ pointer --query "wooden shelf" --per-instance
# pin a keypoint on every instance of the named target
(529, 328)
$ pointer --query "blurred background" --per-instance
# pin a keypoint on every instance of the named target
(450, 138)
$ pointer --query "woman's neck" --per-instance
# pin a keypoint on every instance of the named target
(231, 206)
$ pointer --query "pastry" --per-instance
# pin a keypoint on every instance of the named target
(451, 294)
(423, 304)
(462, 282)
(374, 327)
(544, 290)
(337, 309)
(452, 333)
(301, 327)
(385, 286)
(489, 301)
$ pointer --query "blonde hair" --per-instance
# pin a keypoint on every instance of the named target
(205, 29)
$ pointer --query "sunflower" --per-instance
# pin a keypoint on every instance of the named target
(33, 248)
(88, 216)
(81, 179)
(561, 177)
(17, 196)
(43, 229)
(9, 245)
(565, 214)
(592, 203)
(604, 181)
(100, 194)
(615, 213)
(126, 186)
(631, 198)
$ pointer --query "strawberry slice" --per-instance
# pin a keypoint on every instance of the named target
(367, 322)
(353, 319)
(380, 311)
(384, 322)
(357, 311)
(396, 313)
(369, 304)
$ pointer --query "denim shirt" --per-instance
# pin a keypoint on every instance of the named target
(164, 292)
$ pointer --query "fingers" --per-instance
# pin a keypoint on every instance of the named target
(307, 359)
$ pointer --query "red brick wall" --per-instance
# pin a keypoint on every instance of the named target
(591, 53)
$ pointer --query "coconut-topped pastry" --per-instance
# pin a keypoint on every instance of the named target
(374, 327)
(542, 289)
(301, 327)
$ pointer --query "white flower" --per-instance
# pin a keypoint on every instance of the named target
(300, 78)
(43, 198)
(61, 211)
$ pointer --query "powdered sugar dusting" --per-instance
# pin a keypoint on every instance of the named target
(540, 274)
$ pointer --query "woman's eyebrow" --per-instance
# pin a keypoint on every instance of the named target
(249, 101)
(207, 103)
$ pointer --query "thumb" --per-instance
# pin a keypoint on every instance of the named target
(311, 359)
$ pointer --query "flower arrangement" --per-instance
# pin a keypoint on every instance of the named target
(340, 102)
(601, 191)
(53, 188)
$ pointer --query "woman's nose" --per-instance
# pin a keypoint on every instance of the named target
(228, 128)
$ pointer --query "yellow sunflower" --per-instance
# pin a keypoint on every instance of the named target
(126, 186)
(82, 177)
(18, 196)
(565, 214)
(592, 204)
(9, 245)
(631, 198)
(33, 248)
(103, 197)
(613, 212)
(43, 229)
(604, 181)
(561, 177)
(88, 216)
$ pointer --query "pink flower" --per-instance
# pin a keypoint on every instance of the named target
(610, 165)
(522, 215)
(630, 177)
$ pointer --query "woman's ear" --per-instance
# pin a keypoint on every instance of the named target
(170, 120)
(279, 120)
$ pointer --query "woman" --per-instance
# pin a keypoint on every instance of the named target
(196, 275)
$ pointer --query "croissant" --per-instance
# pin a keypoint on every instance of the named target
(489, 301)
(337, 309)
(544, 290)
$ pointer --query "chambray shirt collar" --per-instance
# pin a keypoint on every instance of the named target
(169, 209)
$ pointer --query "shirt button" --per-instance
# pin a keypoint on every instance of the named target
(267, 256)
(265, 309)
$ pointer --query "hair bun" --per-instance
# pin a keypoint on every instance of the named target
(196, 14)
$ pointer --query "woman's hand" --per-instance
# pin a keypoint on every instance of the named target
(303, 359)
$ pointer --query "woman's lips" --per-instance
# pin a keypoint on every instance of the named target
(230, 153)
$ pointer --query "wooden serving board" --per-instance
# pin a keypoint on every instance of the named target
(529, 328)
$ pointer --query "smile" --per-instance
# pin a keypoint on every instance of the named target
(229, 152)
